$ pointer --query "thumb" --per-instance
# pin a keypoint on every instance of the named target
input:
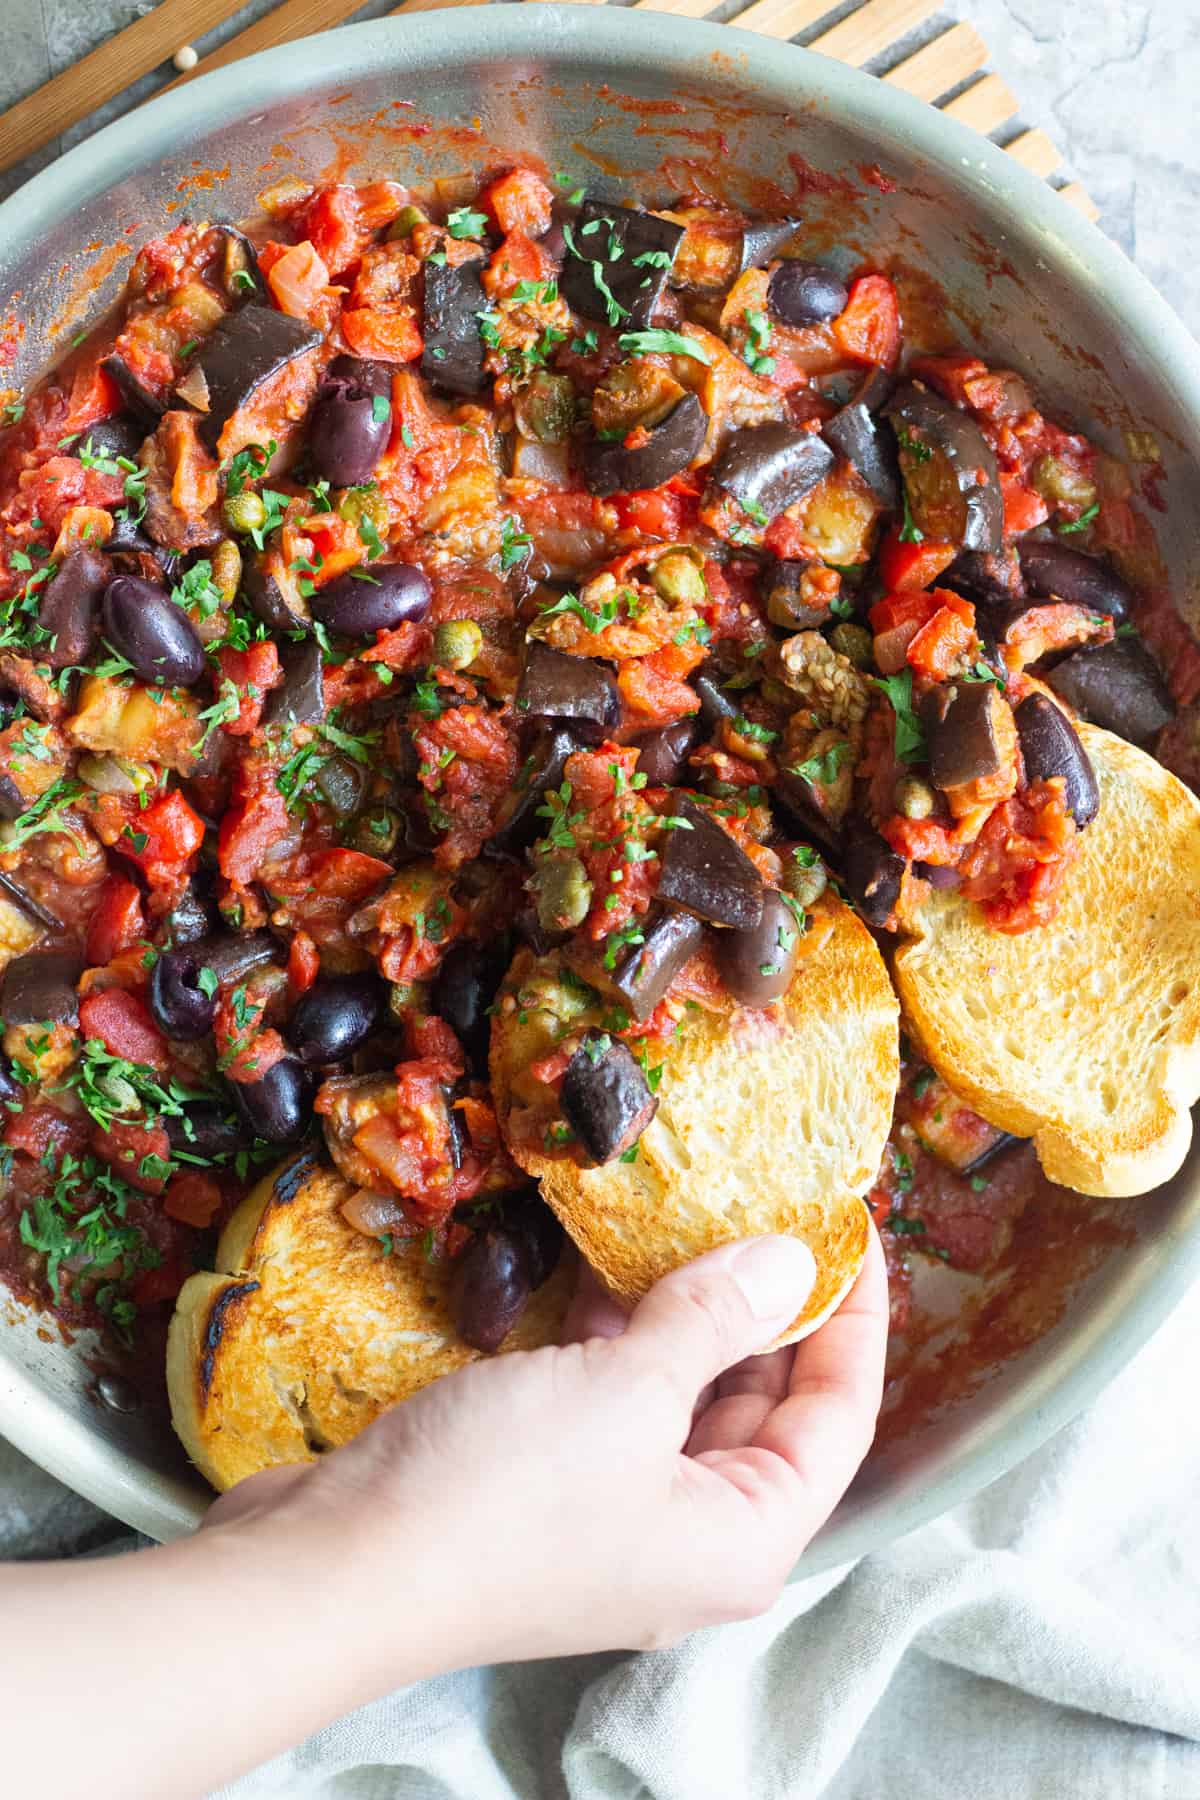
(701, 1319)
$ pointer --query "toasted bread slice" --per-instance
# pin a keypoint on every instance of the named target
(1083, 1034)
(309, 1330)
(767, 1121)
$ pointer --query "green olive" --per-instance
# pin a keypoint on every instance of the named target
(120, 1094)
(376, 833)
(405, 997)
(563, 893)
(456, 643)
(243, 512)
(679, 580)
(805, 880)
(914, 798)
(402, 225)
(227, 568)
(855, 643)
(359, 503)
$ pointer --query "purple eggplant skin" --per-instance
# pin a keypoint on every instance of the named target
(12, 802)
(783, 592)
(348, 432)
(636, 287)
(1073, 576)
(805, 293)
(763, 239)
(717, 702)
(301, 699)
(41, 915)
(972, 737)
(872, 872)
(118, 435)
(241, 277)
(769, 467)
(554, 685)
(245, 350)
(41, 988)
(138, 398)
(453, 354)
(757, 965)
(605, 1097)
(943, 451)
(543, 768)
(988, 580)
(643, 972)
(1050, 747)
(1117, 685)
(854, 434)
(663, 754)
(705, 873)
(463, 991)
(609, 468)
(277, 602)
(70, 608)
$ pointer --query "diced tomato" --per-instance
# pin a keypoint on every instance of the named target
(433, 1040)
(516, 259)
(154, 1287)
(1023, 506)
(333, 227)
(868, 329)
(347, 874)
(947, 637)
(298, 280)
(163, 837)
(253, 672)
(36, 1129)
(303, 963)
(950, 375)
(118, 921)
(660, 512)
(912, 606)
(401, 648)
(257, 818)
(654, 687)
(390, 336)
(519, 201)
(94, 396)
(126, 1144)
(193, 1198)
(122, 1022)
(903, 566)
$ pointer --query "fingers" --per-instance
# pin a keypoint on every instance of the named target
(700, 1320)
(742, 1400)
(593, 1312)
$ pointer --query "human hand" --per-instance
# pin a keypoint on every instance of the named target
(650, 1476)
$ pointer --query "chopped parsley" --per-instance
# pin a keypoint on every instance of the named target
(555, 807)
(515, 544)
(1079, 524)
(758, 328)
(666, 343)
(463, 223)
(910, 738)
(822, 770)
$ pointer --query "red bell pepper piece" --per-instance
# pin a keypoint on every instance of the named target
(903, 566)
(868, 328)
(117, 923)
(123, 1024)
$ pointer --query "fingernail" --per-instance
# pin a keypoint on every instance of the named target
(775, 1274)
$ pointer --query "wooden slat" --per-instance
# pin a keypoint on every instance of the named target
(294, 19)
(873, 29)
(937, 67)
(1034, 150)
(1076, 195)
(105, 72)
(782, 18)
(984, 106)
(686, 9)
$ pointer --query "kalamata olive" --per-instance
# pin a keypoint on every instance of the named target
(178, 1003)
(1050, 747)
(805, 293)
(528, 1217)
(491, 1288)
(278, 1106)
(205, 1128)
(40, 987)
(386, 595)
(757, 965)
(1072, 575)
(334, 1017)
(70, 607)
(663, 753)
(190, 918)
(10, 1087)
(873, 873)
(118, 435)
(348, 432)
(463, 991)
(142, 622)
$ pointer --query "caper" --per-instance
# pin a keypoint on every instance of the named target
(544, 408)
(563, 893)
(244, 512)
(405, 996)
(341, 782)
(567, 1000)
(227, 568)
(402, 225)
(914, 798)
(359, 503)
(456, 643)
(854, 642)
(679, 580)
(120, 1094)
(804, 876)
(377, 831)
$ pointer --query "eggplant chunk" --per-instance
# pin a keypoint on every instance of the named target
(70, 607)
(620, 252)
(663, 753)
(463, 991)
(805, 293)
(605, 1097)
(301, 699)
(949, 470)
(554, 685)
(610, 468)
(1117, 685)
(643, 972)
(453, 354)
(1072, 575)
(240, 354)
(118, 435)
(138, 398)
(519, 823)
(968, 741)
(992, 581)
(764, 238)
(717, 702)
(705, 873)
(241, 277)
(854, 434)
(757, 965)
(274, 594)
(872, 871)
(1050, 746)
(769, 467)
(790, 593)
(41, 988)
